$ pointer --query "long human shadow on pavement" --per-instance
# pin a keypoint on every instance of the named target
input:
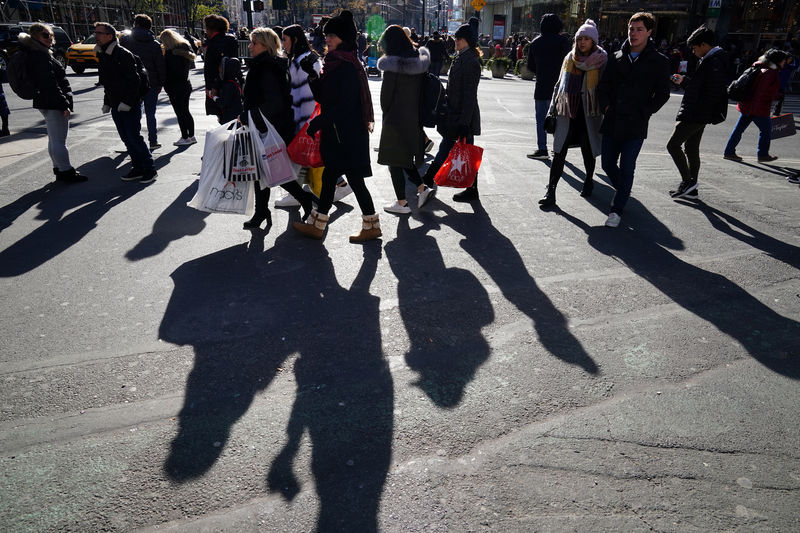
(177, 221)
(10, 212)
(443, 310)
(768, 337)
(245, 311)
(89, 202)
(497, 255)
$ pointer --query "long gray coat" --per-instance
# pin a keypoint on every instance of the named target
(402, 138)
(562, 121)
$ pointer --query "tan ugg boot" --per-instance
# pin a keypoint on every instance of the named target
(314, 227)
(370, 229)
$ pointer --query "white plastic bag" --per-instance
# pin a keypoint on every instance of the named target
(277, 166)
(214, 193)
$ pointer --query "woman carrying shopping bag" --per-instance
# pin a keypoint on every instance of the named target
(179, 60)
(267, 91)
(344, 125)
(463, 118)
(577, 112)
(402, 145)
(53, 97)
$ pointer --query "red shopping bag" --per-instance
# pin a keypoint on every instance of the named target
(461, 166)
(303, 149)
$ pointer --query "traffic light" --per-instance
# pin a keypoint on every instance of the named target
(247, 6)
(258, 5)
(279, 4)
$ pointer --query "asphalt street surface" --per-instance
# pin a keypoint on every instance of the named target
(482, 367)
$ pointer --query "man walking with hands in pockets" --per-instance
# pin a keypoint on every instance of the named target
(634, 86)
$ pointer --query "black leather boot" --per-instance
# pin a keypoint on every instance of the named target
(262, 210)
(71, 176)
(469, 194)
(549, 199)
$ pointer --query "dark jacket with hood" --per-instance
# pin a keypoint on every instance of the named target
(633, 90)
(219, 46)
(462, 96)
(229, 97)
(437, 49)
(118, 75)
(705, 99)
(142, 43)
(402, 141)
(545, 55)
(179, 61)
(47, 75)
(267, 89)
(344, 137)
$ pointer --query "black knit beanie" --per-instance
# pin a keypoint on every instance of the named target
(343, 26)
(465, 32)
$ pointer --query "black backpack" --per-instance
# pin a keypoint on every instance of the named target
(741, 88)
(144, 80)
(432, 100)
(18, 77)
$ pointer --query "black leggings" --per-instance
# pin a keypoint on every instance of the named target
(180, 103)
(329, 178)
(399, 180)
(577, 133)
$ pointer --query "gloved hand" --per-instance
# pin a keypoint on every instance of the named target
(123, 107)
(308, 62)
(106, 109)
(314, 126)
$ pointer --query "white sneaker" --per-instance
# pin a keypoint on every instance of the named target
(426, 194)
(613, 220)
(287, 201)
(191, 140)
(341, 192)
(397, 209)
(185, 141)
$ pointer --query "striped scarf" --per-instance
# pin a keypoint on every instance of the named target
(580, 74)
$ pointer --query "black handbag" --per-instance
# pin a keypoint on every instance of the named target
(550, 124)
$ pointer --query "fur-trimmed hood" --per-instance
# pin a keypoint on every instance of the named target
(35, 46)
(406, 65)
(182, 50)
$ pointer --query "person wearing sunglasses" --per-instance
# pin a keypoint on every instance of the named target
(53, 97)
(120, 77)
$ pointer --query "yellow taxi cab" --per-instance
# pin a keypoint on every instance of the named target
(81, 56)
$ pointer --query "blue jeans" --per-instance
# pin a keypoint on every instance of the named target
(541, 107)
(150, 102)
(618, 159)
(764, 125)
(129, 127)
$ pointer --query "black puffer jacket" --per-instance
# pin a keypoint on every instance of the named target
(179, 61)
(142, 43)
(462, 95)
(267, 89)
(632, 90)
(705, 100)
(47, 75)
(118, 75)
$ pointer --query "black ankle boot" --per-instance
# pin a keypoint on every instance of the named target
(588, 187)
(262, 210)
(70, 176)
(549, 199)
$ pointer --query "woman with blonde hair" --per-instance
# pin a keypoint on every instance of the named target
(267, 91)
(179, 60)
(53, 97)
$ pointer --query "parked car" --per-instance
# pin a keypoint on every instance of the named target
(9, 41)
(81, 56)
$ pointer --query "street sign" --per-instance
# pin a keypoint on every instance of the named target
(478, 4)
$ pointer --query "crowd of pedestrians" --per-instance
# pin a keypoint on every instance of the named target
(585, 95)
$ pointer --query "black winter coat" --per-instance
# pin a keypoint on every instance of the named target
(344, 138)
(705, 100)
(545, 55)
(219, 46)
(632, 90)
(437, 49)
(142, 42)
(462, 96)
(118, 75)
(179, 61)
(47, 75)
(267, 89)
